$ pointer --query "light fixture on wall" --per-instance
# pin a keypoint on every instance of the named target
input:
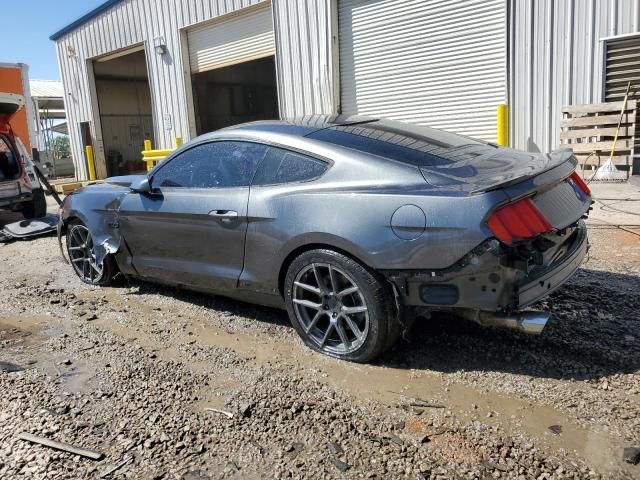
(71, 51)
(159, 45)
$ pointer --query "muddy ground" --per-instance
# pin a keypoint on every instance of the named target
(131, 372)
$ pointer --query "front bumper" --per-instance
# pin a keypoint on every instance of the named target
(488, 281)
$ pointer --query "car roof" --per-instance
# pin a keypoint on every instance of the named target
(368, 138)
(297, 126)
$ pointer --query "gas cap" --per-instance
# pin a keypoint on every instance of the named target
(408, 222)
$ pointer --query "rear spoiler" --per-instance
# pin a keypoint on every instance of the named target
(563, 166)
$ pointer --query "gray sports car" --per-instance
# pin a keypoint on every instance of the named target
(356, 226)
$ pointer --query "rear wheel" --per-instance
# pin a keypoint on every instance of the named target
(37, 208)
(82, 258)
(339, 307)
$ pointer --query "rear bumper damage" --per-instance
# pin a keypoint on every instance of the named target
(491, 284)
(542, 283)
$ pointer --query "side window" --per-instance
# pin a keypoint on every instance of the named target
(212, 165)
(285, 166)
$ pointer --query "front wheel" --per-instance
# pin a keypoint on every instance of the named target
(339, 307)
(83, 259)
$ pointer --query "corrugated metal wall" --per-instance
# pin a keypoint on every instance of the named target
(556, 59)
(304, 66)
(305, 36)
(429, 62)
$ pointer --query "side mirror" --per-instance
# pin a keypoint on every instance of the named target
(143, 186)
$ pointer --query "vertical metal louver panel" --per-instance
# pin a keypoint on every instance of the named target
(622, 66)
(440, 63)
(241, 37)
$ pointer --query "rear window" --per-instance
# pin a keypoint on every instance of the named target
(412, 144)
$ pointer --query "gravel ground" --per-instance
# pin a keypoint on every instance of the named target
(133, 372)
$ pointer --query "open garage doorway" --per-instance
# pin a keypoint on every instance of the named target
(239, 93)
(124, 102)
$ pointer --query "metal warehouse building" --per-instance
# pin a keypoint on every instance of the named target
(161, 69)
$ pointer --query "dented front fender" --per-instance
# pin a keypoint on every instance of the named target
(97, 207)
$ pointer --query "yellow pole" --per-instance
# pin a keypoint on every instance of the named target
(178, 142)
(503, 125)
(147, 144)
(91, 166)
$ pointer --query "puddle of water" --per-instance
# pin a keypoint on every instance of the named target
(383, 384)
(14, 327)
(31, 333)
(76, 378)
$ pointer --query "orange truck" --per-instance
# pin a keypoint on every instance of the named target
(20, 189)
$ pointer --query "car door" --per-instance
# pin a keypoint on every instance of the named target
(282, 206)
(190, 229)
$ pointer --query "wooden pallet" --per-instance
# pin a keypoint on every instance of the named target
(67, 187)
(589, 130)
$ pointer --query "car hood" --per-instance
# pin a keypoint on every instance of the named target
(112, 188)
(125, 180)
(481, 168)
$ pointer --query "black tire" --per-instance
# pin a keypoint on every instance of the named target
(377, 327)
(109, 267)
(37, 207)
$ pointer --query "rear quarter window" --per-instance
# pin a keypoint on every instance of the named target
(396, 147)
(285, 166)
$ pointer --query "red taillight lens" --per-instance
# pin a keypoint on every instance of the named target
(575, 176)
(518, 221)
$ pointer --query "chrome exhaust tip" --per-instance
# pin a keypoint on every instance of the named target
(529, 321)
(534, 321)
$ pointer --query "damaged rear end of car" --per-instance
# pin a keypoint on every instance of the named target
(536, 239)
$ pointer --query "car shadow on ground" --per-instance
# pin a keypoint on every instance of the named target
(594, 332)
(218, 303)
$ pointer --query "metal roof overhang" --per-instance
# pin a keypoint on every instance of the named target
(83, 19)
(62, 128)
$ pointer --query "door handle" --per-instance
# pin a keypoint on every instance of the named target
(224, 214)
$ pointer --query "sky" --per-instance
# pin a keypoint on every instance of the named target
(27, 26)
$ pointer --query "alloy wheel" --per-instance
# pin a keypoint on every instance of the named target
(330, 308)
(82, 256)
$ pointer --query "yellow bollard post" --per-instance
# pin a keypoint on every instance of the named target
(91, 165)
(178, 142)
(147, 144)
(502, 115)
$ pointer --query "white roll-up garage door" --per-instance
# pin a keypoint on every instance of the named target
(235, 38)
(440, 63)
